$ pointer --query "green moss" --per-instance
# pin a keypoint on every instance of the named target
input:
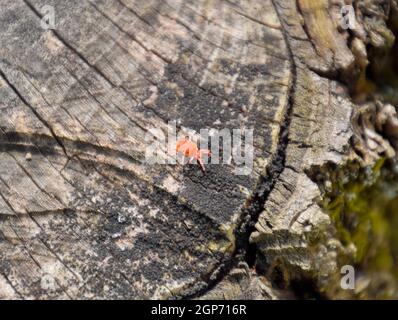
(363, 205)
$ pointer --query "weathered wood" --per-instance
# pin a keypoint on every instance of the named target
(295, 237)
(85, 217)
(82, 215)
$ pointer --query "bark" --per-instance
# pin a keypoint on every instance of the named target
(81, 213)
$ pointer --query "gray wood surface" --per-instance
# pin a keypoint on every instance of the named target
(81, 213)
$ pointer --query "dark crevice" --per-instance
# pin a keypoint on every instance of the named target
(306, 289)
(382, 71)
(20, 96)
(245, 251)
(27, 142)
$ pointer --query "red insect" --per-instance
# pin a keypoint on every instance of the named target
(190, 150)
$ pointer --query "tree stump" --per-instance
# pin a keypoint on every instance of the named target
(83, 216)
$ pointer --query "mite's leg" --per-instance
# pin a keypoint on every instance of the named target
(201, 163)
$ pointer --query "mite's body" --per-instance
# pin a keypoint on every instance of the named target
(190, 150)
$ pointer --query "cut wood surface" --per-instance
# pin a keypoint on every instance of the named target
(85, 215)
(82, 215)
